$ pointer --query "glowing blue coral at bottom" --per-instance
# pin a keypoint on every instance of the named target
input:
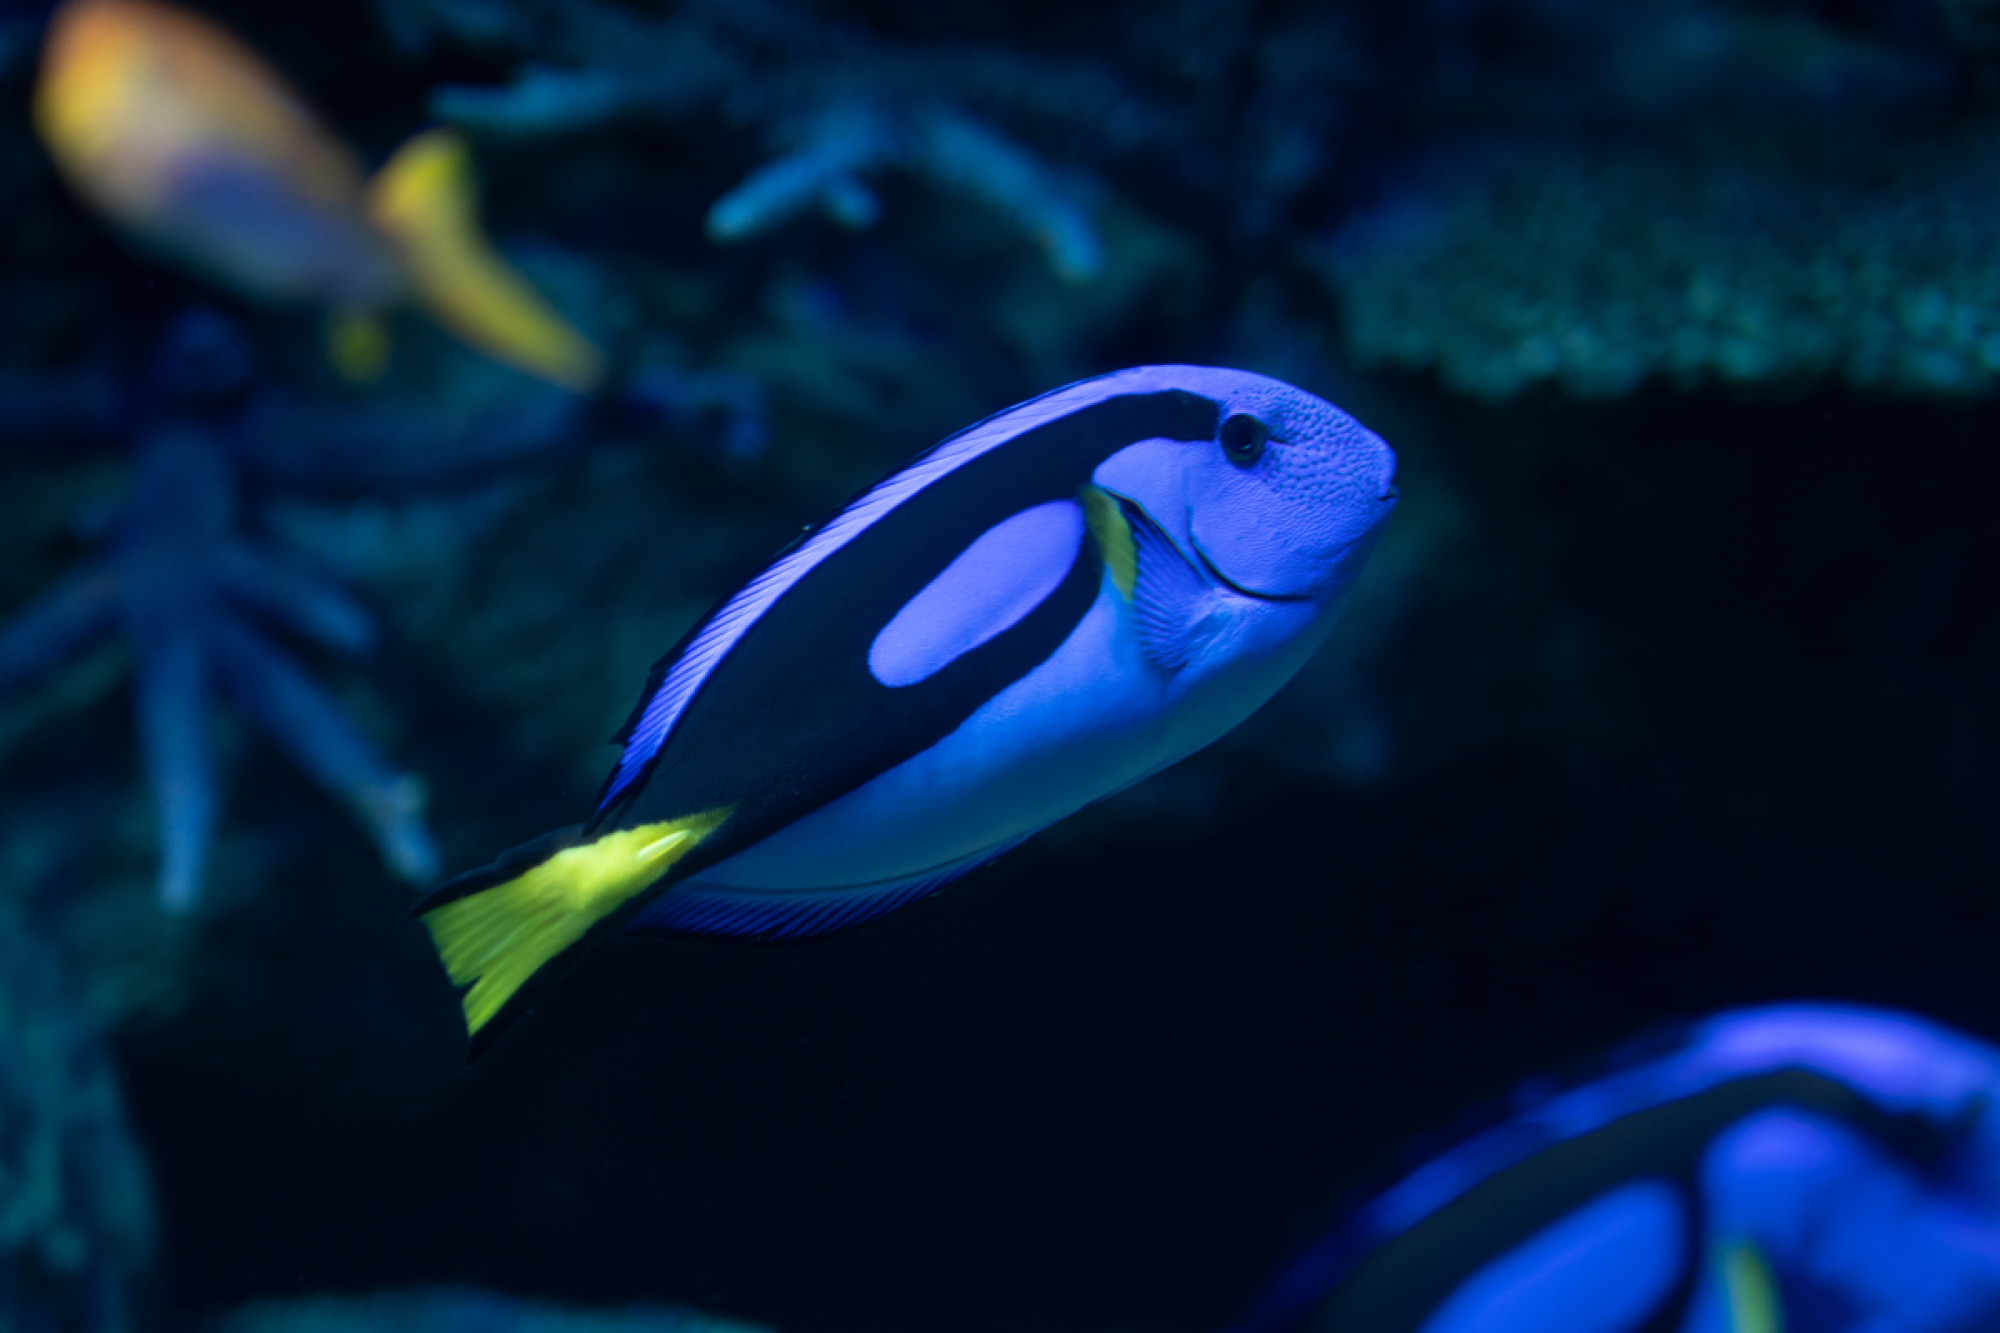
(1799, 1169)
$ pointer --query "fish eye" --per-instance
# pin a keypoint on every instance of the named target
(1243, 438)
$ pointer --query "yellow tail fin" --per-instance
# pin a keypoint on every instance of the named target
(494, 934)
(423, 201)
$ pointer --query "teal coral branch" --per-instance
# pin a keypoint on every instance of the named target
(825, 170)
(180, 583)
(955, 151)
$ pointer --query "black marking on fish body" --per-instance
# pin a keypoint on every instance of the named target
(790, 717)
(699, 911)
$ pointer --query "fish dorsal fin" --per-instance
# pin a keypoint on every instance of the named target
(423, 201)
(695, 908)
(1168, 595)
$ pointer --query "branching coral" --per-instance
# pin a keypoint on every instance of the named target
(845, 143)
(187, 587)
(188, 577)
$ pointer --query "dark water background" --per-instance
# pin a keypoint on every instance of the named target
(1679, 694)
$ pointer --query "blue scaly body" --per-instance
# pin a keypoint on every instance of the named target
(1038, 612)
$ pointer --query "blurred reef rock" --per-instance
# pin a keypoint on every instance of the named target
(76, 1203)
(1597, 271)
(1695, 193)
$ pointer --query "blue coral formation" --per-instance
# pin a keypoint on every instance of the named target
(185, 585)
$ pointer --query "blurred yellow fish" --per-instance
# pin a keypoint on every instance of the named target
(184, 137)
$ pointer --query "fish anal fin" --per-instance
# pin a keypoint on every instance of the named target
(500, 931)
(716, 910)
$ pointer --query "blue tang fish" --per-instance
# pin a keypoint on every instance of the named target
(1801, 1169)
(1036, 613)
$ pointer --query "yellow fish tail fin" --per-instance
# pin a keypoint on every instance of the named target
(506, 931)
(91, 58)
(423, 200)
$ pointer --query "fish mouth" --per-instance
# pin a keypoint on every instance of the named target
(1232, 584)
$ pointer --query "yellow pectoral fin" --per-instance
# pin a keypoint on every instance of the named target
(1113, 535)
(494, 940)
(423, 201)
(1749, 1290)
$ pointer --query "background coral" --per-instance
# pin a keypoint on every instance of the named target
(76, 1204)
(1596, 271)
(184, 585)
(835, 104)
